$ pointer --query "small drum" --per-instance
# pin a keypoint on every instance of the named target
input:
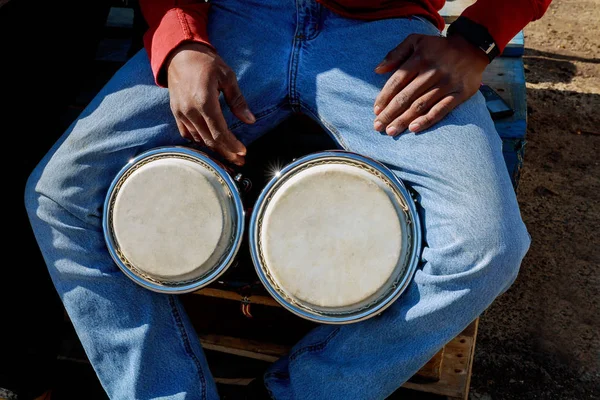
(335, 237)
(173, 219)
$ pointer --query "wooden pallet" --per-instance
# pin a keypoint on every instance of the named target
(447, 373)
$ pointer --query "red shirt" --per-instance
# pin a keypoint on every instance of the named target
(172, 22)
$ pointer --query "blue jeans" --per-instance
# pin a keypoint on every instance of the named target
(288, 58)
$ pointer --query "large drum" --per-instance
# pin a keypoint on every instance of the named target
(335, 237)
(173, 219)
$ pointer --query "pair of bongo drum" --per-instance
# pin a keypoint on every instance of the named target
(334, 236)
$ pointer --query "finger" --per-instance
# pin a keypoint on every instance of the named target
(188, 132)
(236, 101)
(418, 108)
(398, 81)
(397, 56)
(218, 127)
(214, 143)
(436, 113)
(402, 101)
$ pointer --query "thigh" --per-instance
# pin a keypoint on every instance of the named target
(456, 166)
(131, 114)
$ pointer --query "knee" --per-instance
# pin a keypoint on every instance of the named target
(33, 192)
(503, 246)
(51, 186)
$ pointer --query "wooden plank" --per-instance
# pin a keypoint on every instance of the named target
(455, 361)
(506, 75)
(457, 366)
(244, 347)
(120, 17)
(229, 295)
(516, 47)
(431, 371)
(270, 352)
(234, 381)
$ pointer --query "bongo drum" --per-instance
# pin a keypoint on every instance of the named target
(335, 237)
(173, 219)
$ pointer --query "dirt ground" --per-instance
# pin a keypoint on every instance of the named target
(540, 340)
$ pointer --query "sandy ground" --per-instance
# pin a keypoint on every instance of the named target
(540, 340)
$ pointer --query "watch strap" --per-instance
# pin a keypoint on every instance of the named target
(476, 34)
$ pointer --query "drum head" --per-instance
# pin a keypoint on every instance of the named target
(173, 220)
(335, 237)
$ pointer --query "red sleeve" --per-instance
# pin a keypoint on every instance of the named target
(172, 22)
(505, 18)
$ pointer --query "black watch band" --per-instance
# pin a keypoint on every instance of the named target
(476, 34)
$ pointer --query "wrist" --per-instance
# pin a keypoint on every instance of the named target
(185, 53)
(469, 49)
(475, 34)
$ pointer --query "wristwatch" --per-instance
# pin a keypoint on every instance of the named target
(476, 34)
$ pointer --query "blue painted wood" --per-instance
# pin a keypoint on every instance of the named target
(516, 47)
(506, 75)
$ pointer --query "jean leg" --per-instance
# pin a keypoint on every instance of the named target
(474, 236)
(140, 343)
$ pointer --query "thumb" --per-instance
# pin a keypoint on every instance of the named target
(236, 101)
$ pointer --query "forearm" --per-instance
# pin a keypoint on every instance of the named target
(172, 23)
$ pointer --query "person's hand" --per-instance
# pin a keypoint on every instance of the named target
(196, 77)
(432, 75)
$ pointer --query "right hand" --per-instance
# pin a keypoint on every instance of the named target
(196, 76)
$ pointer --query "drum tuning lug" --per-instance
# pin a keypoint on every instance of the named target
(245, 183)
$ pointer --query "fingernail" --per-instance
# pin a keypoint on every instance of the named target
(241, 153)
(382, 64)
(250, 116)
(414, 127)
(377, 110)
(391, 130)
(378, 126)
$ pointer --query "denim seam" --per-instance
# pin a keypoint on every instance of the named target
(186, 343)
(315, 347)
(293, 69)
(318, 24)
(261, 115)
(329, 127)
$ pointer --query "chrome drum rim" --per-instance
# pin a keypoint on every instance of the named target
(224, 263)
(395, 290)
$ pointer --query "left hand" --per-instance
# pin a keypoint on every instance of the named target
(432, 76)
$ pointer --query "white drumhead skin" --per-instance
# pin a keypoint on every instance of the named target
(172, 219)
(332, 235)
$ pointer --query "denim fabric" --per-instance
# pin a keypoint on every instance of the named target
(288, 57)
